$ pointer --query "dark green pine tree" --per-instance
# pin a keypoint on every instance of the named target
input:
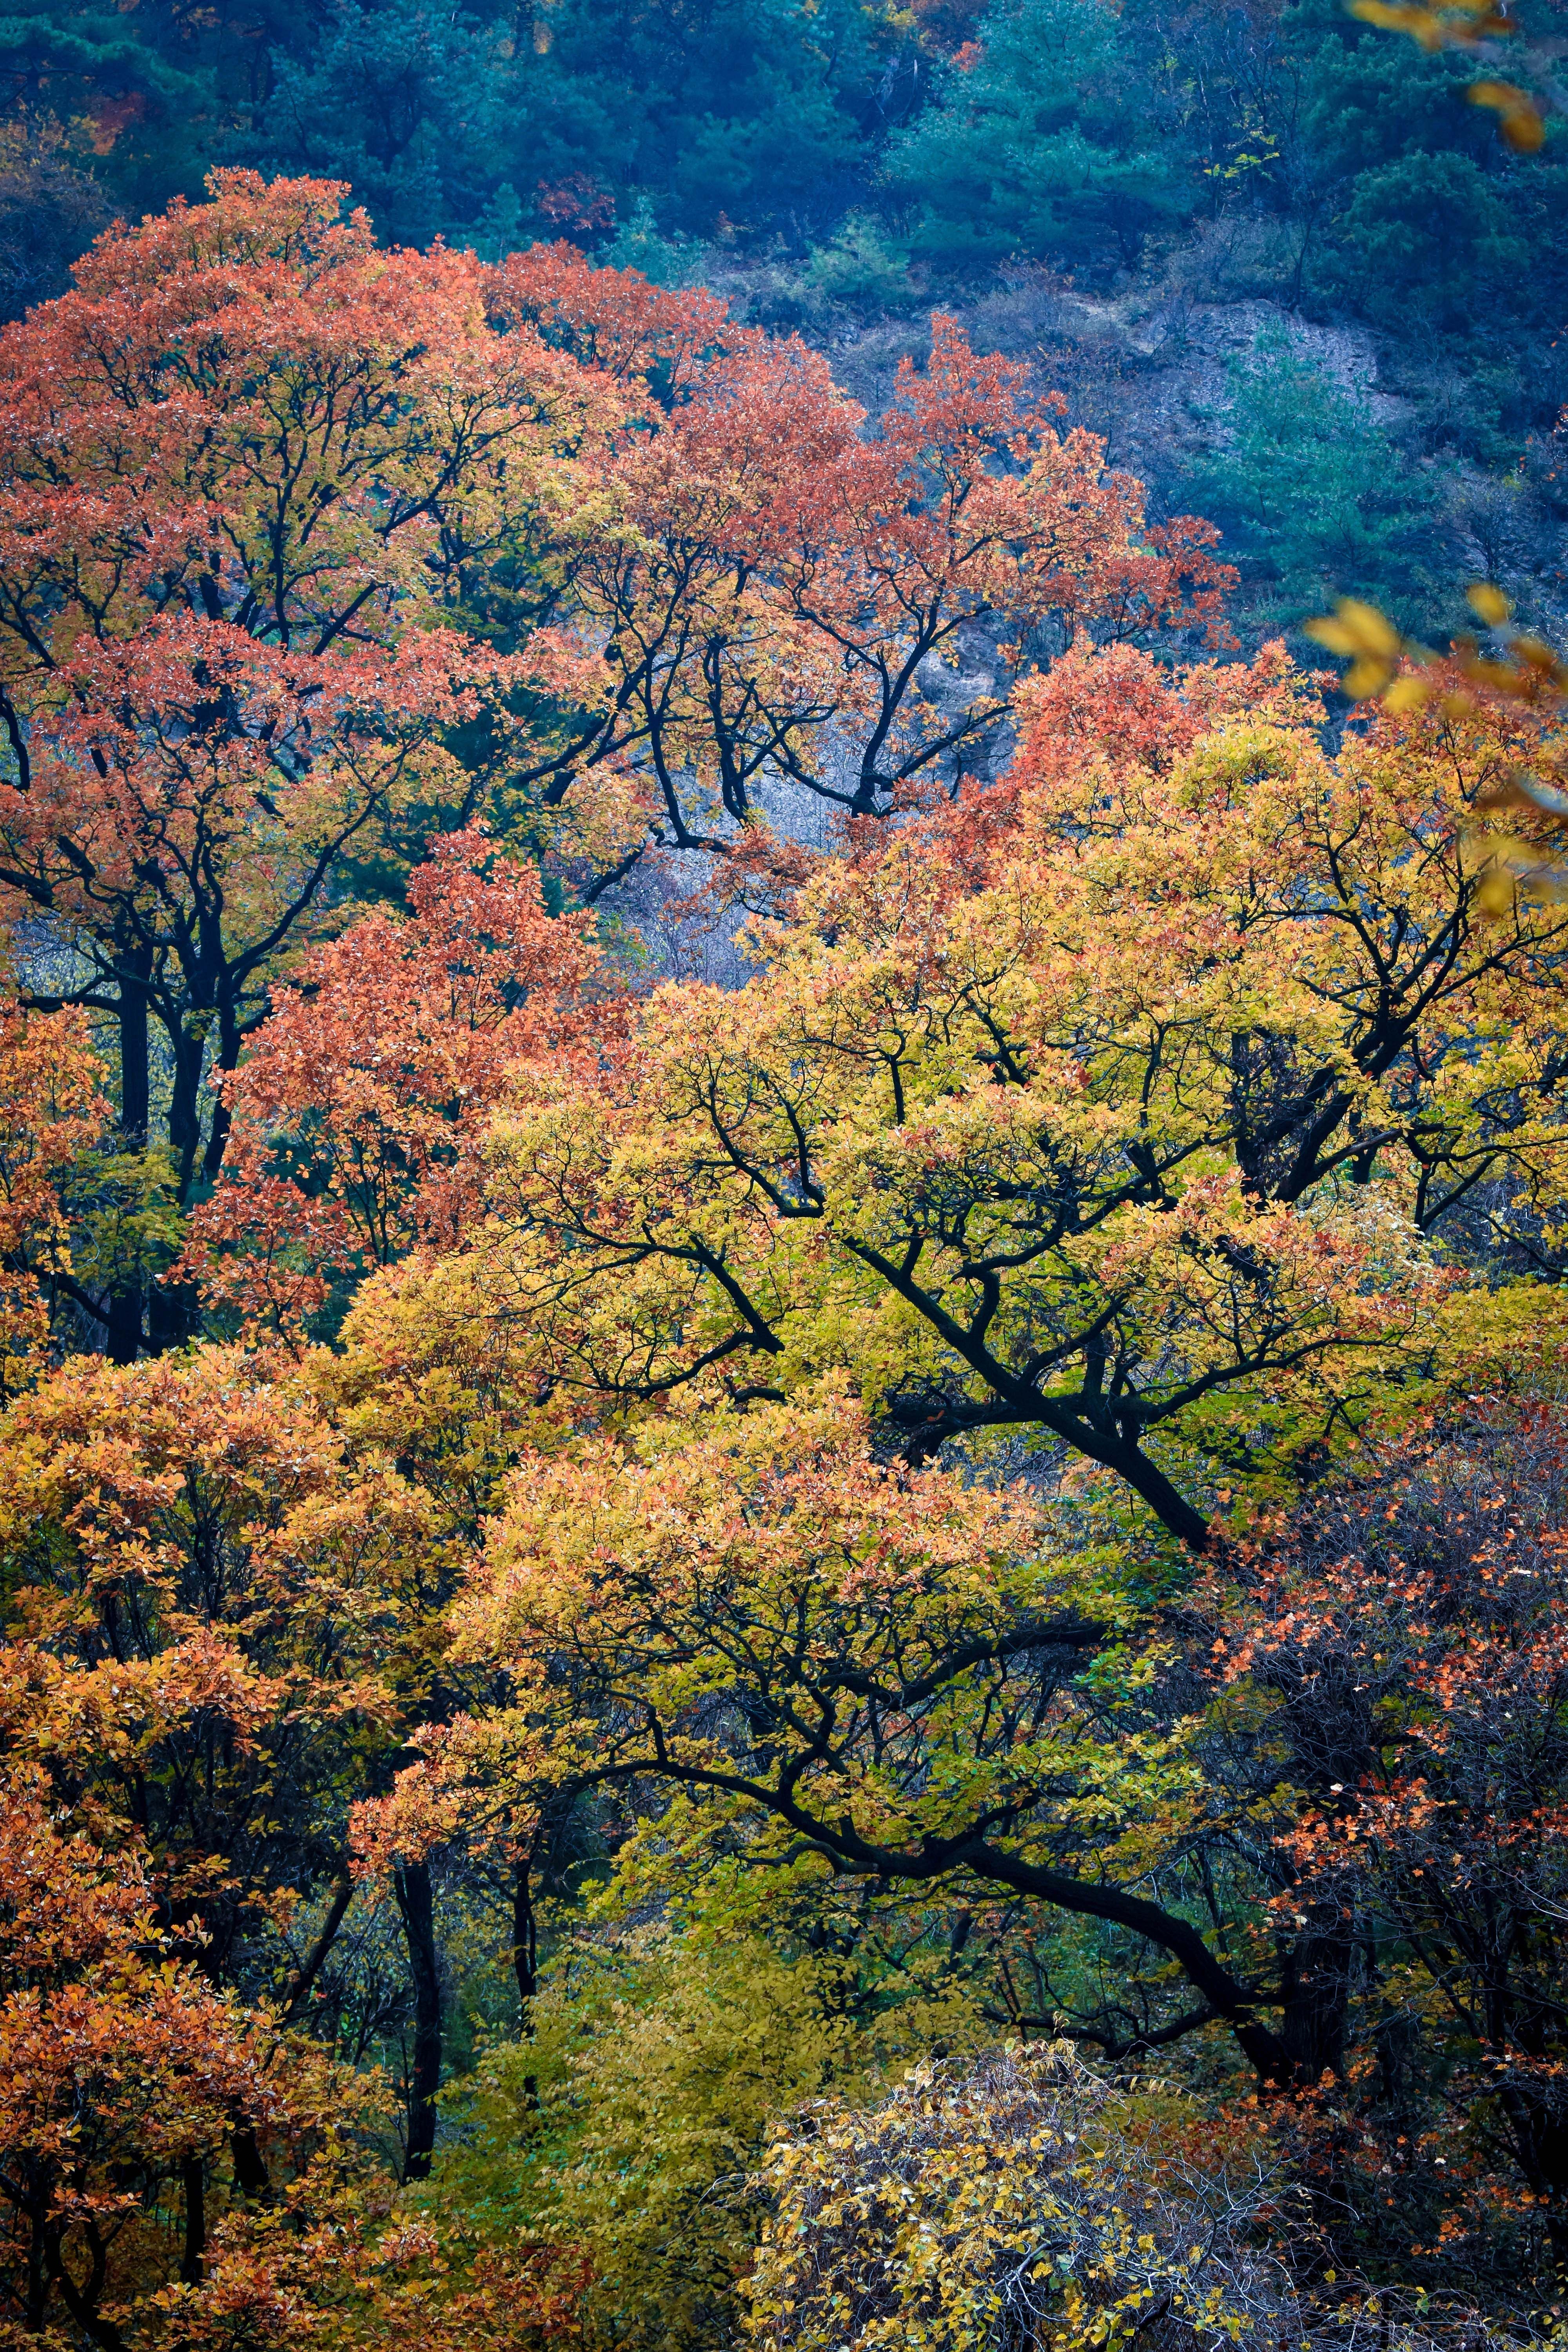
(1042, 140)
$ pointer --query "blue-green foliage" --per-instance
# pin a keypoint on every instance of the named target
(743, 110)
(1038, 143)
(1314, 498)
(404, 99)
(1428, 242)
(97, 63)
(1079, 133)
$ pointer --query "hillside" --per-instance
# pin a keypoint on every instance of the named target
(1239, 239)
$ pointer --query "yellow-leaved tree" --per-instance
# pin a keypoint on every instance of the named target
(1152, 1108)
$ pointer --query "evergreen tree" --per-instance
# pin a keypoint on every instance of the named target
(1314, 498)
(1038, 142)
(405, 100)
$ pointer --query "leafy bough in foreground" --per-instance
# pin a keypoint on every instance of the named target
(891, 1675)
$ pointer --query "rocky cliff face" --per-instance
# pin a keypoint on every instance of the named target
(1163, 367)
(1174, 372)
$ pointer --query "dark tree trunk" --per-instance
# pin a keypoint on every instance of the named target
(297, 1991)
(524, 1938)
(193, 2180)
(414, 1901)
(122, 1312)
(252, 2177)
(122, 1322)
(222, 1120)
(135, 1080)
(1539, 2130)
(525, 1960)
(37, 2272)
(185, 1104)
(1314, 1994)
(174, 1312)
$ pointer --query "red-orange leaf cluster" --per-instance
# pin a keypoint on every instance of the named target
(362, 1103)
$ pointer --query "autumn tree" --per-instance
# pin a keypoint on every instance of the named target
(126, 2077)
(614, 322)
(229, 1615)
(776, 598)
(888, 1675)
(533, 541)
(218, 669)
(1396, 1651)
(1315, 1802)
(177, 2170)
(1151, 1115)
(55, 1113)
(361, 1105)
(951, 1470)
(239, 613)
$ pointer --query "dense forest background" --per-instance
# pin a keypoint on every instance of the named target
(1275, 257)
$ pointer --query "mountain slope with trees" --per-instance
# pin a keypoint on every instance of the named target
(872, 1653)
(1262, 178)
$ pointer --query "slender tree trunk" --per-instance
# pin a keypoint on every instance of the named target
(37, 2272)
(525, 1960)
(524, 1938)
(135, 1085)
(1315, 1973)
(228, 1044)
(123, 1309)
(412, 1881)
(172, 1309)
(296, 1991)
(193, 2180)
(184, 1102)
(1539, 2130)
(252, 2177)
(82, 2301)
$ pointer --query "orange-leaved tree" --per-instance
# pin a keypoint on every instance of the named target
(774, 600)
(124, 2081)
(53, 1112)
(614, 322)
(250, 461)
(224, 1619)
(227, 777)
(362, 1100)
(179, 2172)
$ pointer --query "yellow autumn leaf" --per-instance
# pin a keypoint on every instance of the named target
(1488, 603)
(1356, 628)
(1407, 693)
(1497, 892)
(1366, 676)
(1518, 117)
(1331, 633)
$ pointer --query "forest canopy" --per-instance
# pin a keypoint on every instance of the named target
(783, 1486)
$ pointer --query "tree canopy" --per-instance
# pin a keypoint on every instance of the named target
(858, 1644)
